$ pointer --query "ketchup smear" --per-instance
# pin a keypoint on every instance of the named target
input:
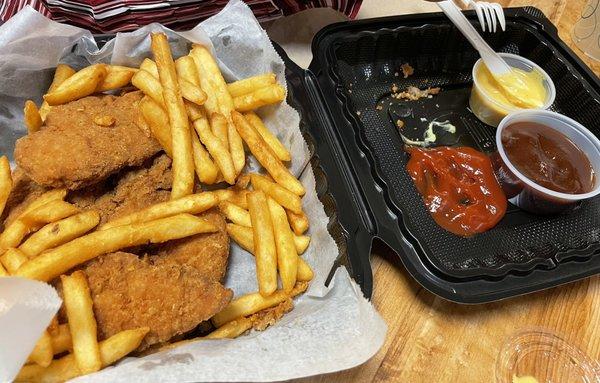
(458, 187)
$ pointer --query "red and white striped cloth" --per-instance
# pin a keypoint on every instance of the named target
(105, 16)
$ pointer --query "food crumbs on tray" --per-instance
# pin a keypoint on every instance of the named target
(399, 124)
(413, 93)
(379, 107)
(407, 70)
(358, 112)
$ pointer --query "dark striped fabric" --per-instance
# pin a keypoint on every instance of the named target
(104, 16)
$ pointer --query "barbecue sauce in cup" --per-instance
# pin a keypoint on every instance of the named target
(548, 158)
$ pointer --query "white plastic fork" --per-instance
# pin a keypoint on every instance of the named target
(492, 60)
(487, 13)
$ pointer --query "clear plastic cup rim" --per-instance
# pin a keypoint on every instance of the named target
(525, 115)
(542, 341)
(551, 89)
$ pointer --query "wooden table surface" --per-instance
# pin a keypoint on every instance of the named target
(435, 341)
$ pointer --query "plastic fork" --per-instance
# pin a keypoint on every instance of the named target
(489, 14)
(492, 60)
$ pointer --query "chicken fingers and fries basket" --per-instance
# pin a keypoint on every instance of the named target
(175, 200)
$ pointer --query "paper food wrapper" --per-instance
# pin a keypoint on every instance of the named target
(331, 328)
(26, 308)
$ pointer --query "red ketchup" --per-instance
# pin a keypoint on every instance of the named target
(458, 187)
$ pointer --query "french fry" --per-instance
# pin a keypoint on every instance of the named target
(61, 73)
(53, 326)
(252, 303)
(218, 124)
(267, 159)
(287, 257)
(302, 242)
(237, 197)
(194, 111)
(243, 236)
(55, 262)
(272, 141)
(3, 271)
(150, 85)
(61, 341)
(149, 66)
(6, 182)
(42, 352)
(212, 82)
(268, 95)
(65, 368)
(217, 150)
(50, 212)
(82, 324)
(186, 69)
(35, 216)
(79, 85)
(250, 84)
(32, 117)
(192, 92)
(281, 195)
(189, 80)
(191, 204)
(243, 181)
(116, 77)
(158, 121)
(236, 147)
(231, 329)
(298, 222)
(264, 243)
(305, 272)
(121, 344)
(12, 259)
(17, 230)
(235, 214)
(247, 305)
(59, 232)
(183, 160)
(205, 167)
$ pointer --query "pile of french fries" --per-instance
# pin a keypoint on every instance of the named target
(205, 126)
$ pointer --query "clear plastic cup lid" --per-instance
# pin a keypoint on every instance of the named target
(538, 355)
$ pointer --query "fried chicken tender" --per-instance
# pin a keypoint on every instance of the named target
(130, 292)
(129, 191)
(73, 151)
(142, 187)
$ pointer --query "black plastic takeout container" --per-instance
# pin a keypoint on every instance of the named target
(359, 161)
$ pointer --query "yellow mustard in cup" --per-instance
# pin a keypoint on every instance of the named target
(527, 87)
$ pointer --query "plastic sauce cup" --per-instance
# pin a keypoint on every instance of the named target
(525, 193)
(491, 111)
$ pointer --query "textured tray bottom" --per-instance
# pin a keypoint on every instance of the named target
(366, 66)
